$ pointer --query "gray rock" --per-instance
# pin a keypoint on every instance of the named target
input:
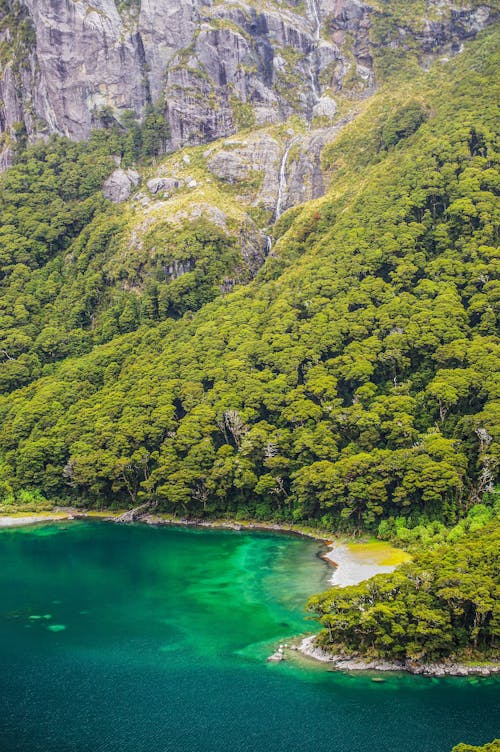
(239, 160)
(164, 185)
(305, 179)
(325, 107)
(119, 185)
(276, 657)
(215, 66)
(352, 663)
(301, 179)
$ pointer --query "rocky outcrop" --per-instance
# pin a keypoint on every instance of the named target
(309, 648)
(119, 185)
(246, 161)
(257, 164)
(305, 178)
(167, 212)
(70, 65)
(164, 186)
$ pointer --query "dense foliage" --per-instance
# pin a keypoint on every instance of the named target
(70, 277)
(493, 746)
(428, 533)
(130, 139)
(440, 604)
(355, 380)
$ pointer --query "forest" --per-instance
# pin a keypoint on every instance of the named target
(428, 609)
(354, 380)
(493, 746)
(330, 369)
(352, 384)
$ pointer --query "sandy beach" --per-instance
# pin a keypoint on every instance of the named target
(356, 562)
(32, 519)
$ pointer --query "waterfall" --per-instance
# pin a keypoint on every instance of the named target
(313, 14)
(282, 183)
(269, 244)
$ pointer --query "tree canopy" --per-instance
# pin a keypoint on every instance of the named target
(444, 603)
(355, 380)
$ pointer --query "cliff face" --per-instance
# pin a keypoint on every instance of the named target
(212, 67)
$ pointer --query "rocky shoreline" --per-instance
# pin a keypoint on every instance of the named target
(354, 663)
(151, 519)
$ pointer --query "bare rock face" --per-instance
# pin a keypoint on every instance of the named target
(214, 67)
(86, 58)
(120, 184)
(326, 107)
(246, 161)
(289, 172)
(305, 178)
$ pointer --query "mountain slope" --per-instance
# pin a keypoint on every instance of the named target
(80, 267)
(207, 69)
(355, 378)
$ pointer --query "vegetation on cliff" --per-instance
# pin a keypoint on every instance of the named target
(76, 270)
(353, 381)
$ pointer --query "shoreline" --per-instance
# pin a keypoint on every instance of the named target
(150, 519)
(18, 520)
(9, 521)
(336, 556)
(354, 663)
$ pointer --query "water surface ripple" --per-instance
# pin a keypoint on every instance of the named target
(141, 639)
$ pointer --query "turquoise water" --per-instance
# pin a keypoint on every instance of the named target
(141, 639)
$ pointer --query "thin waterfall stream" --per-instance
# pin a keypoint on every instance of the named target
(282, 181)
(313, 15)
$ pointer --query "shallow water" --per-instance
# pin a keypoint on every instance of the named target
(154, 639)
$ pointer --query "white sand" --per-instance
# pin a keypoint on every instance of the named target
(29, 520)
(352, 568)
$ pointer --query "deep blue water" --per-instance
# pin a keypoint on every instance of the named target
(154, 640)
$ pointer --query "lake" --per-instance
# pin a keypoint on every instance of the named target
(154, 639)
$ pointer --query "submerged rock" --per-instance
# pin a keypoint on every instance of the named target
(276, 657)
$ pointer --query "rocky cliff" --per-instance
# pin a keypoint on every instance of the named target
(212, 68)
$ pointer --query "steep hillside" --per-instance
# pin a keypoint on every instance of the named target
(208, 69)
(81, 265)
(354, 379)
